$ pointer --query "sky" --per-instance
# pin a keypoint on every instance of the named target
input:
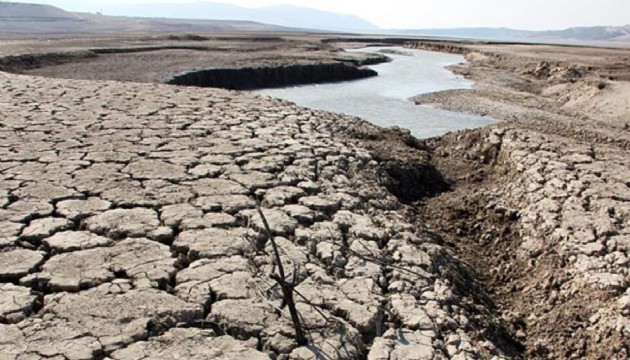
(423, 14)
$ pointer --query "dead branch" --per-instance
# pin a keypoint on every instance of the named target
(287, 288)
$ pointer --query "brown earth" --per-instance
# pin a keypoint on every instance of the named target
(539, 204)
(161, 58)
(519, 230)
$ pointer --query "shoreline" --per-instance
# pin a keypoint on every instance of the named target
(391, 91)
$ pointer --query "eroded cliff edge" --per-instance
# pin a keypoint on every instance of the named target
(270, 77)
(539, 204)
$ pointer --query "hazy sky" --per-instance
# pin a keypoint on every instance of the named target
(520, 14)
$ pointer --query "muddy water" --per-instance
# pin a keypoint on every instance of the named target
(383, 100)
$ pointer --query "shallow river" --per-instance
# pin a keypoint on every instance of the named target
(383, 100)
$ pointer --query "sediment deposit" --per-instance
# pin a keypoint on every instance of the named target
(234, 62)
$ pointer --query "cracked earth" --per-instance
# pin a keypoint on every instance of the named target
(543, 220)
(128, 230)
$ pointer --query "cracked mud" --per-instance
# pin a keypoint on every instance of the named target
(128, 230)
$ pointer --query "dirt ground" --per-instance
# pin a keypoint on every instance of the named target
(158, 59)
(539, 203)
(537, 206)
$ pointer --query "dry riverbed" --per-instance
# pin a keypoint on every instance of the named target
(128, 223)
(129, 230)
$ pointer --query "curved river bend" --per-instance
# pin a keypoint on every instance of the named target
(383, 100)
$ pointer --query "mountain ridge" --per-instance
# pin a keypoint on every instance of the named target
(24, 18)
(280, 15)
(591, 33)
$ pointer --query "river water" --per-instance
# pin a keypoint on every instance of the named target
(383, 100)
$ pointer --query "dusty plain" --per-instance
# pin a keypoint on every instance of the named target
(128, 227)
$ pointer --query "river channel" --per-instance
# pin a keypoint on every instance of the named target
(383, 100)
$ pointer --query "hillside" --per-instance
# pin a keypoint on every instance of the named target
(34, 19)
(26, 12)
(283, 15)
(597, 33)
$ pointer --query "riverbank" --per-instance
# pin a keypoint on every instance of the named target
(383, 100)
(539, 205)
(213, 61)
(579, 90)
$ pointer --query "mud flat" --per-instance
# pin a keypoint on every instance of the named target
(235, 62)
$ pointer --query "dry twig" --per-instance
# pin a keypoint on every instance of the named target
(287, 288)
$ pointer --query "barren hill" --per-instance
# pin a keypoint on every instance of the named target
(612, 34)
(596, 33)
(28, 12)
(26, 19)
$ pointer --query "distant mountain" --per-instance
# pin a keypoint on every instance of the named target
(473, 33)
(574, 35)
(20, 18)
(597, 33)
(24, 12)
(283, 15)
(29, 19)
(294, 16)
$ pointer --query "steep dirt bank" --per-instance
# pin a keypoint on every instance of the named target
(270, 77)
(230, 62)
(539, 205)
(543, 221)
(20, 63)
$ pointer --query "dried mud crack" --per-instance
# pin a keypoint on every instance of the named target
(129, 226)
(128, 230)
(538, 204)
(544, 236)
